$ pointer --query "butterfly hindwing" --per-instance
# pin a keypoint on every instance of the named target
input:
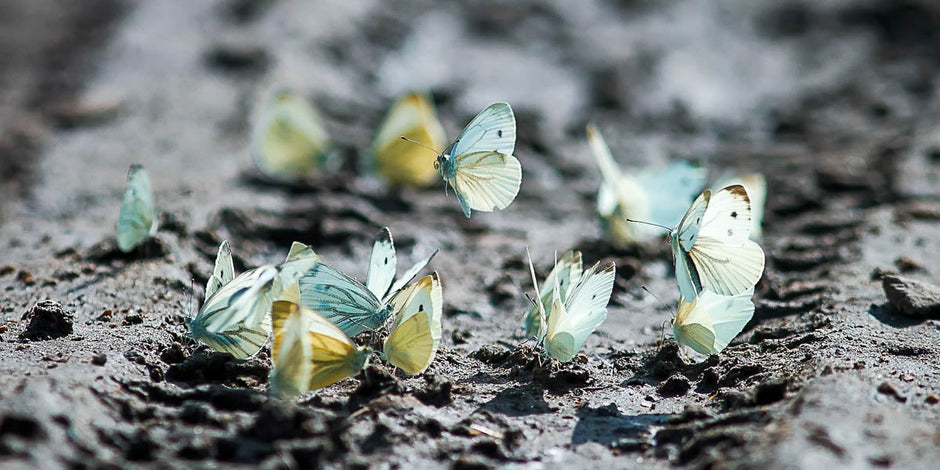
(486, 181)
(727, 269)
(585, 309)
(711, 321)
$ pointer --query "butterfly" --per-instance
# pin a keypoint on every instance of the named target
(309, 352)
(710, 246)
(136, 221)
(567, 270)
(401, 163)
(234, 317)
(416, 331)
(641, 196)
(565, 324)
(352, 306)
(708, 323)
(289, 139)
(479, 165)
(756, 186)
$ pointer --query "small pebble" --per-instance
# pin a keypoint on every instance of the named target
(99, 359)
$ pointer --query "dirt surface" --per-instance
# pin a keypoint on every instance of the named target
(836, 104)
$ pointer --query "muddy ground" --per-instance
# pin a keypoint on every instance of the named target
(838, 105)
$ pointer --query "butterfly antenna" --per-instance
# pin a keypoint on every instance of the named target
(655, 297)
(668, 229)
(436, 152)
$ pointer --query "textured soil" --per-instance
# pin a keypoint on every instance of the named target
(837, 105)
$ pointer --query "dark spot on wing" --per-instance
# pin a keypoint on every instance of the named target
(730, 233)
(420, 307)
(734, 214)
(386, 260)
(499, 133)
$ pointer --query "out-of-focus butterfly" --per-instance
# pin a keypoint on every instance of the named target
(564, 325)
(234, 317)
(756, 186)
(416, 333)
(309, 352)
(567, 271)
(659, 196)
(400, 162)
(290, 142)
(352, 306)
(136, 220)
(708, 323)
(479, 165)
(711, 248)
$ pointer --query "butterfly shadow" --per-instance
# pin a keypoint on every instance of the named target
(607, 426)
(886, 314)
(520, 400)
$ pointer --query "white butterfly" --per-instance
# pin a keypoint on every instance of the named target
(641, 195)
(566, 324)
(567, 270)
(711, 248)
(352, 306)
(289, 141)
(479, 165)
(416, 333)
(136, 221)
(711, 321)
(235, 317)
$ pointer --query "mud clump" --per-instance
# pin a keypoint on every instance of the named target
(47, 320)
(912, 298)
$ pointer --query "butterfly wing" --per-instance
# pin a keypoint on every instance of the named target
(727, 269)
(291, 351)
(381, 264)
(224, 270)
(486, 181)
(136, 217)
(493, 130)
(756, 186)
(682, 181)
(688, 229)
(410, 274)
(416, 333)
(300, 259)
(217, 325)
(536, 318)
(681, 241)
(290, 141)
(727, 218)
(342, 300)
(711, 321)
(566, 272)
(401, 162)
(584, 310)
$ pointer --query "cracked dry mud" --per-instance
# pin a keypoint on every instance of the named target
(836, 104)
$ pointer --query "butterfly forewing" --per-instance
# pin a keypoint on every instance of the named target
(341, 299)
(493, 130)
(728, 216)
(382, 265)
